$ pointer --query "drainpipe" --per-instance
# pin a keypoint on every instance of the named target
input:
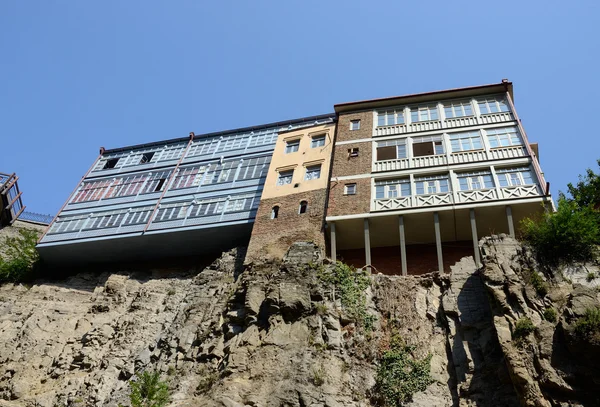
(168, 183)
(102, 150)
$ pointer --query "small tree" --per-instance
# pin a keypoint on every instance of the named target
(586, 193)
(20, 258)
(149, 391)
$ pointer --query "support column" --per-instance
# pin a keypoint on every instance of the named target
(367, 244)
(511, 225)
(402, 245)
(333, 243)
(438, 241)
(475, 240)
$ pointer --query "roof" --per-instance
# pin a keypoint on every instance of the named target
(504, 86)
(331, 116)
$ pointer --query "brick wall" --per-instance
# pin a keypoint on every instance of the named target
(344, 165)
(366, 126)
(420, 258)
(271, 238)
(340, 204)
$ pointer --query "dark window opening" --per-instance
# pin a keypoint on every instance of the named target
(111, 163)
(386, 153)
(428, 148)
(274, 212)
(353, 152)
(146, 158)
(159, 186)
(303, 207)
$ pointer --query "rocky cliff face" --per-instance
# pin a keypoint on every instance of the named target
(276, 334)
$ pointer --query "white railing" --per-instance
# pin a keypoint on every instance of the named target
(454, 158)
(460, 122)
(495, 117)
(392, 203)
(476, 196)
(435, 199)
(521, 191)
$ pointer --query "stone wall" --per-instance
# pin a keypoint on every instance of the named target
(13, 231)
(271, 238)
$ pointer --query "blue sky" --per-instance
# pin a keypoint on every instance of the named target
(77, 75)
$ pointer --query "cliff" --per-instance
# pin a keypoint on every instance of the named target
(295, 333)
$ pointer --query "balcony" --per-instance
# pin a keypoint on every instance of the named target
(453, 158)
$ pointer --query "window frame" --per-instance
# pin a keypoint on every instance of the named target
(511, 135)
(433, 181)
(451, 106)
(354, 124)
(315, 141)
(468, 135)
(290, 144)
(429, 108)
(481, 178)
(386, 187)
(283, 176)
(503, 175)
(386, 114)
(499, 102)
(350, 189)
(312, 168)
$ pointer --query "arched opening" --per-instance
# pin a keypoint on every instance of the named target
(303, 207)
(274, 212)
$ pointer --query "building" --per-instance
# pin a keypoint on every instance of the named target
(11, 204)
(292, 206)
(179, 197)
(417, 179)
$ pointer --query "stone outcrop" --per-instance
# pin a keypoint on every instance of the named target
(274, 334)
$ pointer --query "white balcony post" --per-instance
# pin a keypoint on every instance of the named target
(438, 241)
(367, 244)
(333, 242)
(476, 110)
(454, 185)
(413, 190)
(509, 218)
(496, 182)
(475, 240)
(402, 245)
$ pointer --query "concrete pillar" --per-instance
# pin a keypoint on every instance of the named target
(402, 245)
(475, 240)
(367, 244)
(511, 225)
(333, 243)
(438, 241)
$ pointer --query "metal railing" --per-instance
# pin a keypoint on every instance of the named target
(36, 217)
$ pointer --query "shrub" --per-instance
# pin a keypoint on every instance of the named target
(588, 326)
(538, 283)
(587, 191)
(590, 277)
(148, 391)
(569, 234)
(523, 328)
(550, 314)
(318, 377)
(21, 259)
(400, 374)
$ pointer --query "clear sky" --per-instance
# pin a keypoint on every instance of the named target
(77, 75)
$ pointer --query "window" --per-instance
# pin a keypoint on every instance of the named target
(354, 124)
(504, 137)
(303, 207)
(470, 181)
(465, 141)
(458, 109)
(350, 189)
(391, 150)
(427, 145)
(392, 188)
(313, 172)
(274, 212)
(492, 105)
(353, 152)
(292, 146)
(111, 163)
(317, 141)
(423, 113)
(160, 185)
(285, 177)
(390, 117)
(510, 177)
(432, 185)
(146, 158)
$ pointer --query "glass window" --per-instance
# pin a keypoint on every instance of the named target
(350, 189)
(458, 109)
(313, 172)
(504, 137)
(391, 149)
(392, 188)
(432, 185)
(509, 177)
(470, 181)
(423, 113)
(317, 141)
(427, 145)
(390, 117)
(355, 125)
(465, 141)
(285, 177)
(292, 146)
(492, 105)
(274, 212)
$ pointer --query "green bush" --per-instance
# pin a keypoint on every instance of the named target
(523, 328)
(21, 259)
(350, 285)
(569, 234)
(550, 314)
(588, 326)
(400, 375)
(590, 276)
(538, 283)
(587, 191)
(148, 391)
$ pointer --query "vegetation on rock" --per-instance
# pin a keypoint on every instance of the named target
(523, 328)
(550, 314)
(21, 258)
(588, 326)
(401, 374)
(148, 391)
(535, 279)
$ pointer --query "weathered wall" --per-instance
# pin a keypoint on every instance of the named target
(13, 231)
